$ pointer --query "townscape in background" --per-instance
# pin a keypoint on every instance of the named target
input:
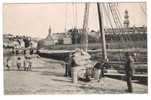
(83, 54)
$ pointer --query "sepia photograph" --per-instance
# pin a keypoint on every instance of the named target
(75, 48)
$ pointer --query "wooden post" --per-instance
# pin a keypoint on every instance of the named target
(104, 54)
(84, 38)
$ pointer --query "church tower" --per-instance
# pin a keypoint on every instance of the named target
(49, 33)
(126, 20)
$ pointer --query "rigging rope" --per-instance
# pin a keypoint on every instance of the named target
(111, 37)
(107, 14)
(127, 36)
(76, 21)
(73, 15)
(66, 18)
(143, 10)
(74, 8)
(116, 21)
(120, 20)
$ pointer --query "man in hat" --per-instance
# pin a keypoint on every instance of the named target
(68, 61)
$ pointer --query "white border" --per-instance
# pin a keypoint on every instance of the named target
(74, 97)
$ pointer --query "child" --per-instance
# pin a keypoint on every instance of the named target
(18, 63)
(26, 64)
(29, 63)
(8, 63)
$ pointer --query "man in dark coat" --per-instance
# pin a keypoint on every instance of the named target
(68, 66)
(129, 68)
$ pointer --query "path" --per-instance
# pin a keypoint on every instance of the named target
(47, 77)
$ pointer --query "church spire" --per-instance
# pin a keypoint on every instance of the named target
(49, 33)
(49, 30)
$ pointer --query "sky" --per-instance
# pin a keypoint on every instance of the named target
(35, 19)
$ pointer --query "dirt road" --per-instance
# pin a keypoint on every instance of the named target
(47, 77)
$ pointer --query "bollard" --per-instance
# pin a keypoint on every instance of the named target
(74, 75)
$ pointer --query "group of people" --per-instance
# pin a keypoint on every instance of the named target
(20, 41)
(22, 63)
(22, 49)
(26, 63)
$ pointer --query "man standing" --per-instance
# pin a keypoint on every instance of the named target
(68, 66)
(129, 67)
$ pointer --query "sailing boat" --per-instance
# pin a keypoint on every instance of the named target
(61, 53)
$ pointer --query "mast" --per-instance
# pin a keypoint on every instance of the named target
(104, 53)
(84, 38)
